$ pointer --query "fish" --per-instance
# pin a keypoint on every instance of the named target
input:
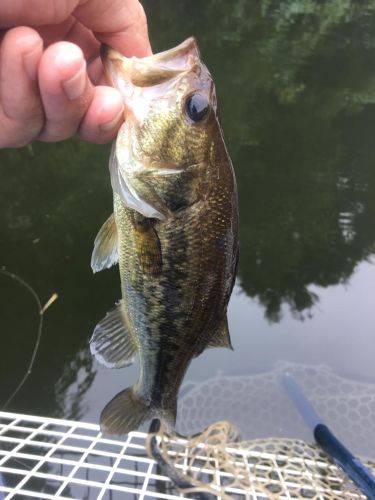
(173, 231)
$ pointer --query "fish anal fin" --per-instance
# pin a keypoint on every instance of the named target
(111, 342)
(148, 245)
(105, 253)
(221, 338)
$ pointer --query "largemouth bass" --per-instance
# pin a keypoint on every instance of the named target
(174, 231)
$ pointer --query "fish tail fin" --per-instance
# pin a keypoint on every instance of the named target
(127, 411)
(124, 413)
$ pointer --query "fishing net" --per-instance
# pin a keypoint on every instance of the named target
(258, 405)
(216, 464)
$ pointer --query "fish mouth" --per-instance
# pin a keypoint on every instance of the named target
(151, 70)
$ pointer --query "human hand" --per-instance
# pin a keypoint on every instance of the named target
(51, 76)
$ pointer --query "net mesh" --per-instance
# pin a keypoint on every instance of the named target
(217, 463)
(258, 405)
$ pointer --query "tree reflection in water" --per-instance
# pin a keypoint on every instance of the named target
(296, 88)
(295, 84)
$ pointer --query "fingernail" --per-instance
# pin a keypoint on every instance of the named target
(31, 60)
(75, 86)
(106, 127)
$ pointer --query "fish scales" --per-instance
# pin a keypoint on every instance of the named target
(176, 225)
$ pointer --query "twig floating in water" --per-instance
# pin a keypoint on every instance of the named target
(41, 311)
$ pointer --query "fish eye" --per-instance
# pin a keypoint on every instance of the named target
(197, 107)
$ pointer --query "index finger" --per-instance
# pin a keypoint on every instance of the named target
(122, 24)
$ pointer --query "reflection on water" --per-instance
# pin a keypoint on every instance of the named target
(296, 88)
(75, 380)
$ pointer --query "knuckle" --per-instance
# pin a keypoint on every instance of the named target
(15, 134)
(32, 118)
(36, 12)
(57, 131)
(62, 123)
(61, 10)
(13, 141)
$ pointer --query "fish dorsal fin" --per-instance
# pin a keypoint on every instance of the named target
(111, 342)
(105, 253)
(221, 337)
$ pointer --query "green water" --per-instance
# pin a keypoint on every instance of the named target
(296, 90)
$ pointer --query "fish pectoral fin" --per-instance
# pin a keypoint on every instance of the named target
(221, 337)
(111, 342)
(105, 253)
(147, 244)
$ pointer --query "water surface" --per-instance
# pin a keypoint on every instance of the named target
(296, 90)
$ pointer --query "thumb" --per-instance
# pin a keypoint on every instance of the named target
(119, 23)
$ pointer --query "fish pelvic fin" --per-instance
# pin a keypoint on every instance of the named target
(127, 411)
(147, 244)
(105, 253)
(111, 343)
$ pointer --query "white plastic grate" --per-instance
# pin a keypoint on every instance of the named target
(51, 458)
